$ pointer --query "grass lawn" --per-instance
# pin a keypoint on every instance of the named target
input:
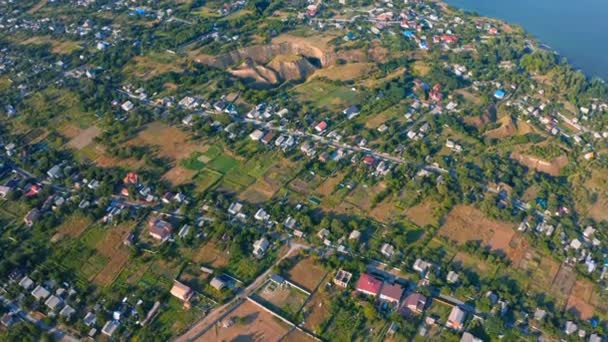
(256, 167)
(193, 162)
(327, 95)
(206, 179)
(238, 178)
(223, 164)
(93, 235)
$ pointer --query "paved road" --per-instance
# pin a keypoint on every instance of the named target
(198, 329)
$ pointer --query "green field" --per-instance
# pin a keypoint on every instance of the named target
(223, 164)
(206, 178)
(193, 162)
(327, 95)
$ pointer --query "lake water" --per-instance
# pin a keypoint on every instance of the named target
(576, 29)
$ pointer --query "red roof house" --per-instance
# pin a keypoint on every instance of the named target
(368, 285)
(321, 126)
(435, 93)
(448, 38)
(369, 160)
(159, 229)
(391, 293)
(131, 178)
(33, 190)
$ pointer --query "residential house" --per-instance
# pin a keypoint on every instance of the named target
(26, 283)
(55, 172)
(31, 217)
(570, 328)
(368, 285)
(4, 191)
(110, 327)
(218, 283)
(342, 278)
(67, 311)
(321, 126)
(500, 94)
(421, 266)
(456, 318)
(468, 337)
(54, 303)
(413, 304)
(40, 293)
(351, 112)
(387, 250)
(235, 208)
(181, 291)
(159, 229)
(89, 319)
(262, 215)
(260, 246)
(452, 277)
(8, 320)
(256, 135)
(127, 106)
(391, 293)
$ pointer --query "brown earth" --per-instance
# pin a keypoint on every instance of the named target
(579, 300)
(467, 223)
(306, 273)
(552, 167)
(255, 325)
(112, 247)
(423, 214)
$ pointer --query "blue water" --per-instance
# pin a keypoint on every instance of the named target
(577, 29)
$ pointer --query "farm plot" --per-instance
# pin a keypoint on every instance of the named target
(305, 183)
(330, 184)
(72, 227)
(272, 181)
(562, 284)
(540, 269)
(579, 301)
(252, 324)
(306, 273)
(206, 179)
(466, 223)
(112, 247)
(326, 95)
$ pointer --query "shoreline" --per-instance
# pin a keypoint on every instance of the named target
(538, 43)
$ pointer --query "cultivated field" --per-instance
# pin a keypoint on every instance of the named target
(179, 175)
(563, 284)
(112, 248)
(72, 227)
(579, 300)
(316, 310)
(272, 181)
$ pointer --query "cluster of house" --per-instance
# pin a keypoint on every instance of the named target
(60, 301)
(392, 295)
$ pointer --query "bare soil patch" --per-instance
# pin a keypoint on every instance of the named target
(316, 310)
(272, 181)
(254, 324)
(423, 214)
(179, 175)
(329, 185)
(552, 167)
(346, 72)
(211, 255)
(172, 142)
(466, 223)
(306, 273)
(579, 300)
(84, 138)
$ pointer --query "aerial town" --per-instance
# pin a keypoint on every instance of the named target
(265, 170)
